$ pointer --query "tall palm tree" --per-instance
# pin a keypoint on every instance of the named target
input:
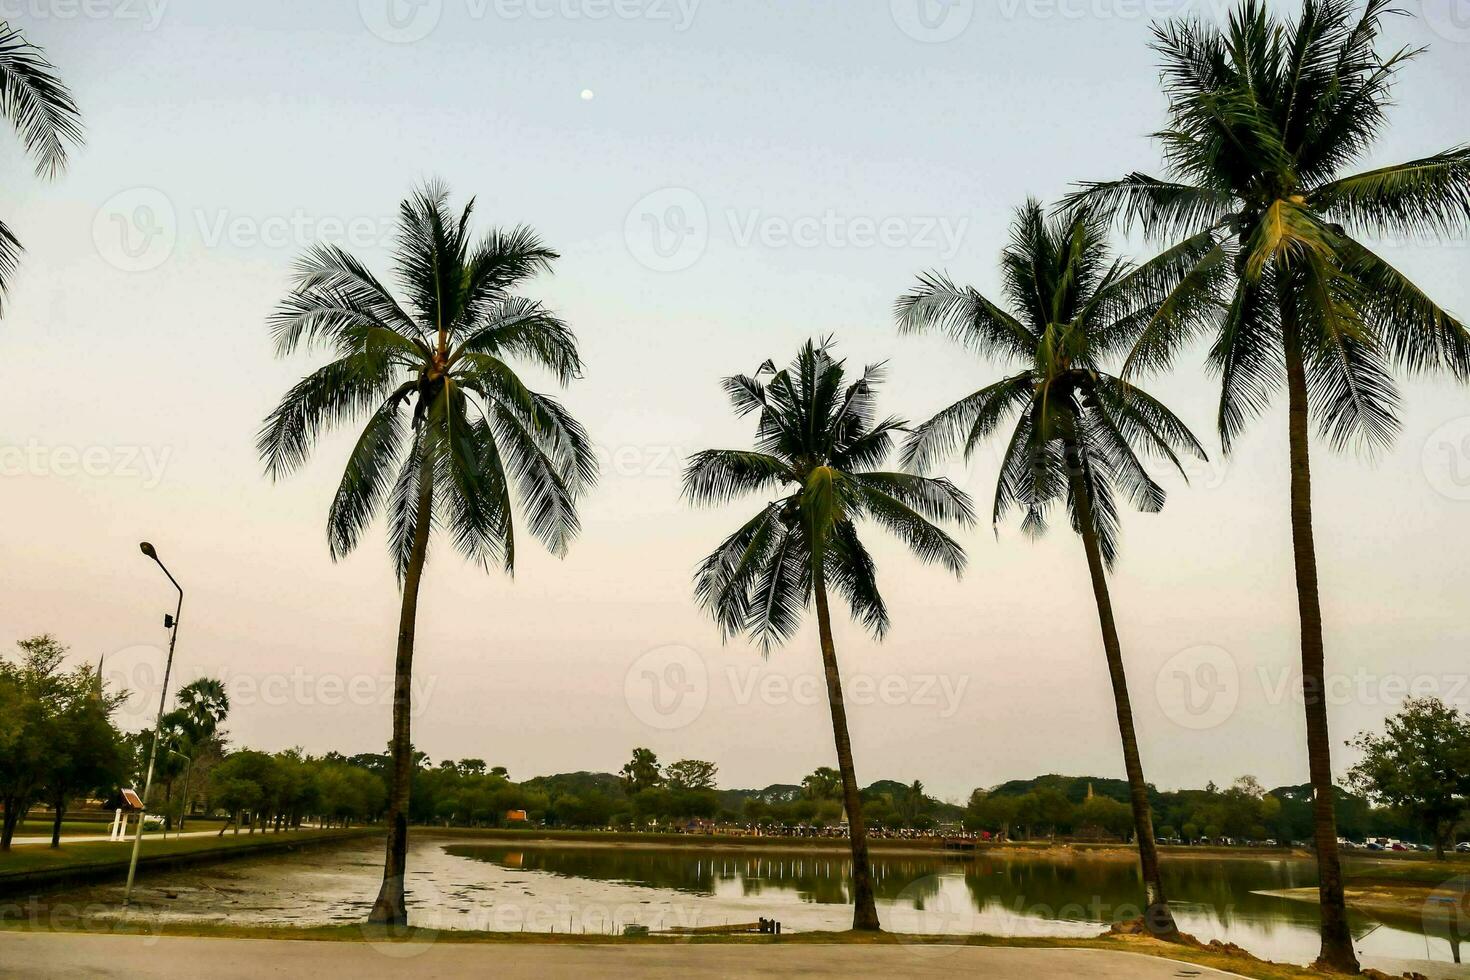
(818, 440)
(1077, 430)
(449, 429)
(1265, 115)
(41, 109)
(205, 703)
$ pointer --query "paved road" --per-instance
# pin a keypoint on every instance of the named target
(92, 838)
(165, 958)
(88, 838)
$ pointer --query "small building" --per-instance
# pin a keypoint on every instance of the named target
(516, 816)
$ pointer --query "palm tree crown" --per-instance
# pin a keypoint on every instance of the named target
(818, 440)
(447, 418)
(1264, 117)
(1071, 305)
(41, 109)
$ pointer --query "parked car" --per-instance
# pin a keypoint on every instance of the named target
(1463, 847)
(1373, 845)
(1400, 847)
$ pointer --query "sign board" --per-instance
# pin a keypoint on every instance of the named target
(131, 800)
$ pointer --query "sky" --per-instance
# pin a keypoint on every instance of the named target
(723, 180)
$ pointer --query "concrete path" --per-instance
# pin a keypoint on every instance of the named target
(93, 838)
(166, 958)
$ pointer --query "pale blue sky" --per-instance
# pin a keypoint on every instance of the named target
(821, 155)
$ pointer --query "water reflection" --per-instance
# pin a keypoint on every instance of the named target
(1013, 894)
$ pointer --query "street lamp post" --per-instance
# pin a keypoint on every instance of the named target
(173, 623)
(189, 768)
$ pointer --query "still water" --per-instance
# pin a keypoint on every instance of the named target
(454, 884)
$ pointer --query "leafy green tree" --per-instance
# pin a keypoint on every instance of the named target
(36, 102)
(818, 440)
(1266, 114)
(691, 774)
(451, 432)
(912, 804)
(1419, 765)
(642, 772)
(86, 750)
(824, 783)
(29, 693)
(1078, 431)
(1109, 815)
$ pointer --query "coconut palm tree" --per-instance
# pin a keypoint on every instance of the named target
(1077, 431)
(41, 109)
(1265, 116)
(818, 441)
(449, 430)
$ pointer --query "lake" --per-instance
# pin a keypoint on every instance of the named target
(456, 883)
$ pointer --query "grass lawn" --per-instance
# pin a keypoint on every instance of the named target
(33, 857)
(1407, 871)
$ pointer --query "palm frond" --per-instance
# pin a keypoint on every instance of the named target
(1419, 197)
(716, 476)
(337, 393)
(968, 422)
(37, 103)
(936, 303)
(850, 570)
(365, 481)
(1416, 333)
(1247, 355)
(1161, 208)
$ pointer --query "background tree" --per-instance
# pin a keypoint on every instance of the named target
(86, 750)
(1265, 115)
(1078, 431)
(35, 102)
(450, 429)
(823, 783)
(642, 772)
(1419, 765)
(817, 441)
(30, 688)
(691, 774)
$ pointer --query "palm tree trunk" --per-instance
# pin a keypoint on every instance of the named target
(390, 909)
(1337, 941)
(864, 911)
(1157, 917)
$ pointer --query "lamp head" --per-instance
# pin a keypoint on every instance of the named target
(147, 549)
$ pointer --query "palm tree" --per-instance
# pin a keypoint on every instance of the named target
(817, 441)
(1078, 430)
(205, 703)
(1265, 115)
(449, 432)
(41, 109)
